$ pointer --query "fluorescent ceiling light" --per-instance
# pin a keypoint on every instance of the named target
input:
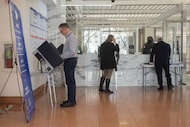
(118, 19)
(85, 5)
(88, 3)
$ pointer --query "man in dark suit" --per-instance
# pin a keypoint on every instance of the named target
(161, 51)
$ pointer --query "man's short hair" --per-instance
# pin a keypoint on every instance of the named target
(159, 39)
(150, 38)
(64, 25)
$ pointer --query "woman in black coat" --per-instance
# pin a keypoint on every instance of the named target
(108, 62)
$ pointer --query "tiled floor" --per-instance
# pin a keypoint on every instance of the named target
(127, 107)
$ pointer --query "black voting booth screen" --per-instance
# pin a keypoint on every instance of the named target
(51, 54)
(60, 48)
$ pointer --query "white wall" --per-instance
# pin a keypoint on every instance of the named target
(37, 78)
(11, 89)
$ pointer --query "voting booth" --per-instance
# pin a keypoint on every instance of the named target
(49, 57)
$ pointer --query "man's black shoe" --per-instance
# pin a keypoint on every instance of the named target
(160, 88)
(170, 87)
(68, 104)
(65, 102)
(108, 91)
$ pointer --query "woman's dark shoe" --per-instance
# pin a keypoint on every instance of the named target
(101, 90)
(107, 86)
(160, 88)
(102, 79)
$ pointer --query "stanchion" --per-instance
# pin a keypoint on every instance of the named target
(51, 85)
(116, 80)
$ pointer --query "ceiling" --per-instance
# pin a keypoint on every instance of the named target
(116, 16)
(128, 14)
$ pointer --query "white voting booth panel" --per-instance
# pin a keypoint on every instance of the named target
(46, 66)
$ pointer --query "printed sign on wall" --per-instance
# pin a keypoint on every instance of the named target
(38, 28)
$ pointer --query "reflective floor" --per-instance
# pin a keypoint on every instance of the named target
(127, 107)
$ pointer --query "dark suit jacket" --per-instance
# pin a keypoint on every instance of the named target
(147, 47)
(161, 51)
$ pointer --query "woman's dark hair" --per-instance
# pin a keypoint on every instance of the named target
(110, 38)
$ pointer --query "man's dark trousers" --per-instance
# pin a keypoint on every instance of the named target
(69, 68)
(159, 68)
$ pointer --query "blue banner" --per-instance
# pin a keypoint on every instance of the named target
(23, 62)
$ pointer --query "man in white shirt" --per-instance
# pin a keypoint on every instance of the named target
(69, 56)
